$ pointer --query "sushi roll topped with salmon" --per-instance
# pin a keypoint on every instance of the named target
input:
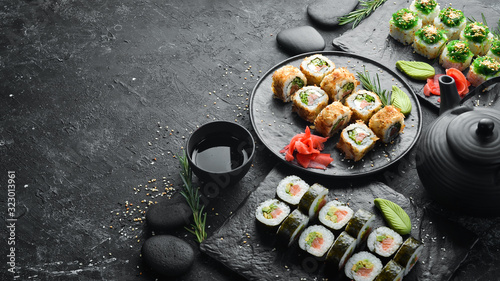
(457, 55)
(482, 69)
(494, 51)
(452, 21)
(403, 25)
(478, 36)
(429, 41)
(427, 10)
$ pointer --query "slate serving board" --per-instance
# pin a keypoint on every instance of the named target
(275, 124)
(371, 39)
(244, 247)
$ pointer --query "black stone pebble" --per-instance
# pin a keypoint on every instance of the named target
(166, 216)
(168, 255)
(301, 39)
(328, 12)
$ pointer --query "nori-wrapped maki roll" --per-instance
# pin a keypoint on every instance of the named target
(291, 189)
(291, 228)
(316, 240)
(335, 215)
(363, 266)
(313, 200)
(360, 225)
(392, 271)
(341, 250)
(384, 241)
(407, 256)
(272, 212)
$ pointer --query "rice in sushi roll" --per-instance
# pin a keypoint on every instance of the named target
(332, 119)
(356, 140)
(429, 41)
(360, 225)
(291, 189)
(387, 123)
(427, 10)
(335, 215)
(341, 250)
(315, 67)
(478, 36)
(292, 227)
(494, 51)
(457, 55)
(313, 200)
(339, 83)
(316, 240)
(363, 266)
(452, 21)
(363, 104)
(409, 253)
(482, 69)
(286, 81)
(392, 271)
(272, 212)
(384, 241)
(308, 102)
(403, 25)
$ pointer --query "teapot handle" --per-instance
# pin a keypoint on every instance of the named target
(480, 88)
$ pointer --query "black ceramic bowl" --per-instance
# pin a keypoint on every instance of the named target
(220, 152)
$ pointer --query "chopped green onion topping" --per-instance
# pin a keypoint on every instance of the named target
(298, 81)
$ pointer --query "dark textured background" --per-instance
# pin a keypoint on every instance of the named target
(96, 99)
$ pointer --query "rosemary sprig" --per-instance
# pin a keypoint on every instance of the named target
(358, 15)
(374, 86)
(193, 199)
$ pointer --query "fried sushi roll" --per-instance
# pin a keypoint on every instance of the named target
(363, 266)
(482, 69)
(452, 21)
(315, 68)
(403, 25)
(429, 41)
(286, 81)
(363, 104)
(339, 83)
(409, 253)
(356, 140)
(291, 228)
(316, 240)
(478, 36)
(387, 123)
(384, 241)
(427, 10)
(308, 102)
(494, 51)
(272, 212)
(335, 215)
(392, 271)
(341, 250)
(291, 189)
(332, 119)
(313, 200)
(457, 55)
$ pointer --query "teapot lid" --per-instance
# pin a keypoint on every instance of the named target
(474, 136)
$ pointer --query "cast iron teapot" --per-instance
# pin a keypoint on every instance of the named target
(458, 156)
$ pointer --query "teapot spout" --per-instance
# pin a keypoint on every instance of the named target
(449, 94)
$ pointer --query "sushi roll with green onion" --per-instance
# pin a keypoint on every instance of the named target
(452, 21)
(286, 81)
(316, 240)
(494, 51)
(387, 123)
(315, 68)
(291, 228)
(409, 253)
(360, 225)
(482, 69)
(332, 119)
(427, 10)
(456, 54)
(272, 212)
(403, 25)
(342, 249)
(291, 189)
(478, 36)
(313, 200)
(356, 140)
(392, 271)
(429, 41)
(363, 104)
(339, 83)
(335, 215)
(384, 241)
(363, 266)
(308, 102)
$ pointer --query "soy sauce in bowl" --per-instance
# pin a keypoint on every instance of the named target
(220, 153)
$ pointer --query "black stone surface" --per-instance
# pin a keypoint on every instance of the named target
(243, 247)
(327, 13)
(96, 99)
(302, 39)
(168, 255)
(167, 216)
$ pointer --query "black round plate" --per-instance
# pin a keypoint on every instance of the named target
(275, 124)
